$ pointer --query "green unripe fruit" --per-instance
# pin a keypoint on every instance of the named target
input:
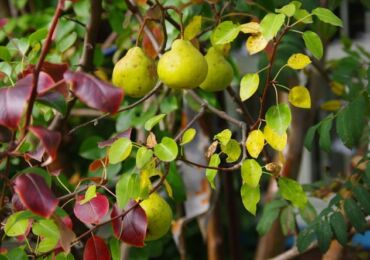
(220, 72)
(159, 215)
(135, 73)
(183, 67)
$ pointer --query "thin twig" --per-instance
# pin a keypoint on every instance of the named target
(191, 122)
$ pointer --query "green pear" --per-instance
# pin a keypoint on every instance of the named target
(220, 72)
(183, 67)
(135, 73)
(159, 215)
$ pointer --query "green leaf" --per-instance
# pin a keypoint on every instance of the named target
(153, 121)
(67, 42)
(308, 213)
(355, 215)
(287, 220)
(193, 28)
(270, 213)
(232, 149)
(177, 183)
(288, 10)
(143, 156)
(310, 135)
(120, 150)
(305, 239)
(362, 196)
(115, 248)
(6, 69)
(250, 197)
(169, 104)
(248, 86)
(17, 253)
(38, 36)
(292, 191)
(166, 150)
(303, 15)
(339, 226)
(188, 136)
(48, 230)
(5, 54)
(211, 173)
(223, 137)
(16, 225)
(271, 25)
(278, 118)
(251, 172)
(327, 16)
(324, 235)
(89, 194)
(46, 244)
(350, 122)
(324, 132)
(89, 148)
(128, 187)
(313, 43)
(225, 32)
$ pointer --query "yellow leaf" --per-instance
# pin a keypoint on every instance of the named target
(331, 105)
(252, 27)
(256, 43)
(255, 143)
(276, 141)
(193, 28)
(299, 96)
(298, 61)
(337, 88)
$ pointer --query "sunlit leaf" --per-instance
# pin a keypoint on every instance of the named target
(224, 33)
(120, 150)
(255, 142)
(143, 156)
(292, 191)
(327, 16)
(153, 121)
(271, 25)
(303, 16)
(15, 225)
(232, 149)
(299, 96)
(256, 43)
(276, 141)
(313, 43)
(288, 10)
(166, 150)
(127, 188)
(250, 197)
(193, 28)
(89, 194)
(278, 118)
(188, 136)
(224, 136)
(48, 230)
(298, 61)
(251, 172)
(248, 86)
(251, 27)
(211, 173)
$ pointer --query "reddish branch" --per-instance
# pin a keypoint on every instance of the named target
(39, 64)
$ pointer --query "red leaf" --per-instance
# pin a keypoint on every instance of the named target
(35, 194)
(50, 141)
(147, 43)
(97, 164)
(67, 236)
(132, 228)
(95, 93)
(17, 204)
(93, 211)
(96, 249)
(126, 133)
(13, 101)
(3, 22)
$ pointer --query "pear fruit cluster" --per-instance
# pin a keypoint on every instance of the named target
(159, 216)
(182, 67)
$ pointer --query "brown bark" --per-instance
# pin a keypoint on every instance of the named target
(214, 236)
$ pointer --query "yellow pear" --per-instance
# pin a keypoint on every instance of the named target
(183, 67)
(220, 73)
(159, 215)
(135, 73)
